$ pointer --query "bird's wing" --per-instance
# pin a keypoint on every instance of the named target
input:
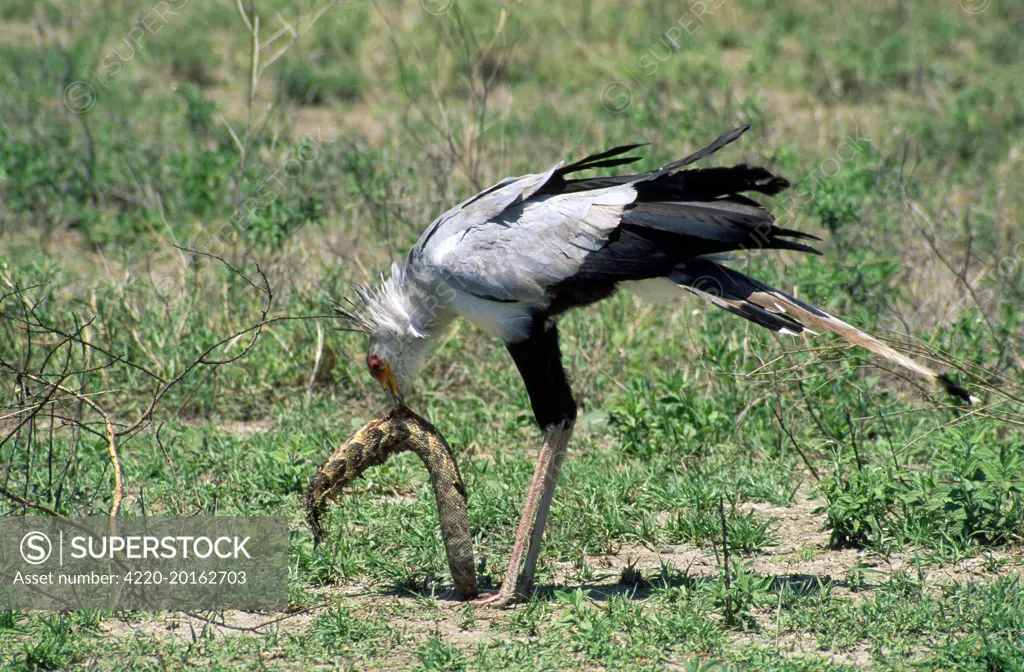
(513, 249)
(481, 208)
(525, 234)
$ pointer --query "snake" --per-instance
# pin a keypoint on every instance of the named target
(398, 431)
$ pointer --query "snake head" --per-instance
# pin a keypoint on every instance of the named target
(362, 450)
(316, 505)
(326, 484)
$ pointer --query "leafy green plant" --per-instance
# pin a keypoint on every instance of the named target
(700, 525)
(975, 492)
(437, 656)
(307, 84)
(971, 495)
(56, 646)
(740, 593)
(198, 110)
(338, 627)
(858, 503)
(278, 219)
(9, 618)
(665, 414)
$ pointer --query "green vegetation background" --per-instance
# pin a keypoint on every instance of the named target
(137, 138)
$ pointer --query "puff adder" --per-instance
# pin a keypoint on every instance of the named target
(399, 431)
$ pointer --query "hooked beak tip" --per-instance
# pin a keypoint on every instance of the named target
(390, 386)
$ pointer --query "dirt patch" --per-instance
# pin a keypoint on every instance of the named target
(181, 627)
(803, 550)
(801, 553)
(413, 618)
(242, 428)
(802, 543)
(21, 33)
(324, 122)
(737, 59)
(793, 644)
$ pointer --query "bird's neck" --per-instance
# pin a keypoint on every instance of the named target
(424, 310)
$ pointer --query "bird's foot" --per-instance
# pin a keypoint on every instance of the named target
(497, 600)
(509, 594)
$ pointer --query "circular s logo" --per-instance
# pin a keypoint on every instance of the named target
(437, 7)
(616, 97)
(975, 6)
(36, 548)
(79, 97)
(707, 285)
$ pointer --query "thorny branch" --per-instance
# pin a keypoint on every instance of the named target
(53, 389)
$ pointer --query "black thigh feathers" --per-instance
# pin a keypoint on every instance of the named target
(539, 361)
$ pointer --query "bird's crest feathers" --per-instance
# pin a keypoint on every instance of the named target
(380, 310)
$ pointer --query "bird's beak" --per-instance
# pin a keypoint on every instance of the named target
(387, 382)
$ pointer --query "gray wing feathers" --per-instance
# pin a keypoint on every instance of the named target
(516, 254)
(483, 207)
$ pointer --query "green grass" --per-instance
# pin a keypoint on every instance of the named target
(868, 523)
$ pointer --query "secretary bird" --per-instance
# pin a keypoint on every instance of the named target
(514, 257)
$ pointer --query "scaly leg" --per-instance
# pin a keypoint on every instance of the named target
(535, 514)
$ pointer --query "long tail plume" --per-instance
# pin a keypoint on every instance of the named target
(780, 312)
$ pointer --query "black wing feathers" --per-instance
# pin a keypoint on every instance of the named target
(680, 216)
(598, 160)
(722, 140)
(708, 183)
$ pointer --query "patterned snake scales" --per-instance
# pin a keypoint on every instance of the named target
(399, 431)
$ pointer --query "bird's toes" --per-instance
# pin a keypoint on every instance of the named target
(497, 600)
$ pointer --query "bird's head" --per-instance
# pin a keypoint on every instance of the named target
(396, 347)
(393, 362)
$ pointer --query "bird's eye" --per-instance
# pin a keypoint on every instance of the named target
(375, 365)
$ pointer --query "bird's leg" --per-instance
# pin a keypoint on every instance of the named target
(534, 516)
(558, 443)
(539, 361)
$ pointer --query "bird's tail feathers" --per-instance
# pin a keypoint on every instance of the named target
(780, 312)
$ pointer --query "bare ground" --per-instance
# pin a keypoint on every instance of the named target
(801, 554)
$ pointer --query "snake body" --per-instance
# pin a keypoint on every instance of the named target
(399, 431)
